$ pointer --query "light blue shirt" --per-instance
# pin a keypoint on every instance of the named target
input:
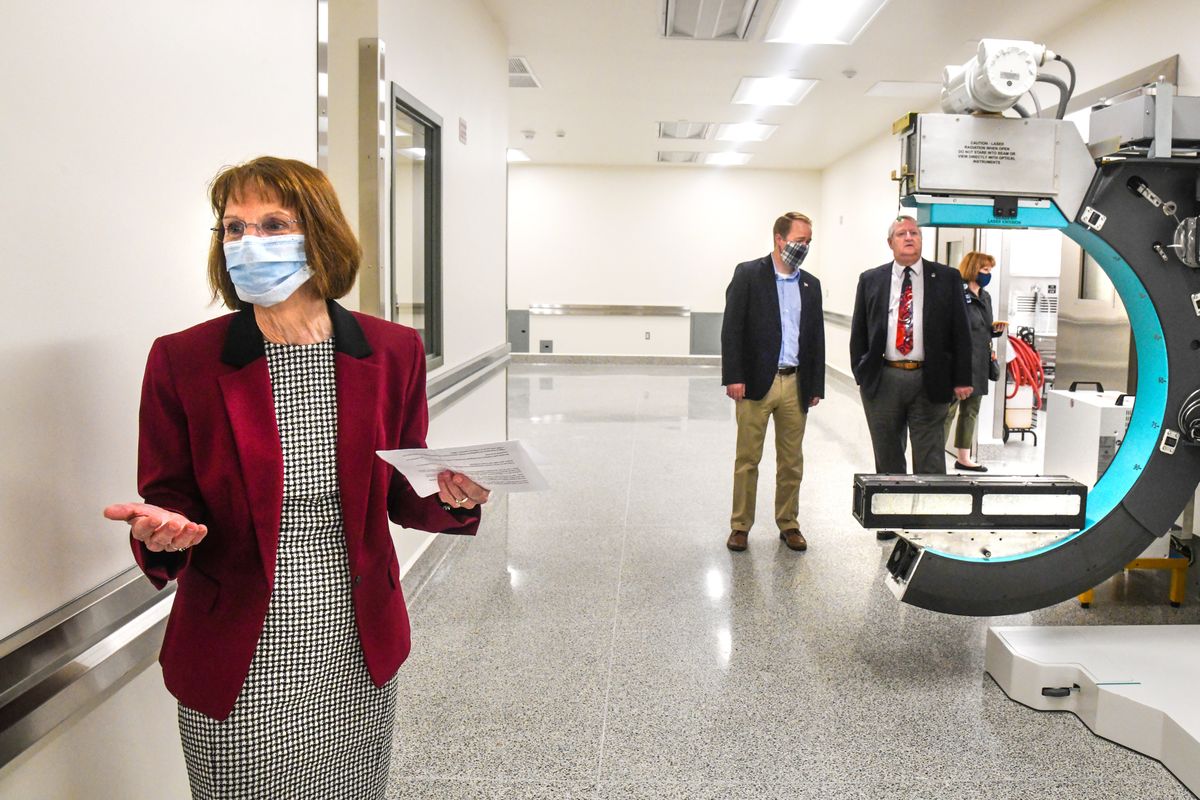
(788, 289)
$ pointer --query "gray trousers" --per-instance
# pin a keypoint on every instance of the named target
(900, 410)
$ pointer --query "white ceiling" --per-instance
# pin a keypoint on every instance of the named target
(608, 76)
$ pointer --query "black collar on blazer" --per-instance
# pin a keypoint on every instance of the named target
(244, 341)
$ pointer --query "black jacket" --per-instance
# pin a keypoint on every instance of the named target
(944, 325)
(979, 320)
(751, 332)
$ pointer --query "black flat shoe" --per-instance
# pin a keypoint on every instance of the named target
(976, 468)
(884, 536)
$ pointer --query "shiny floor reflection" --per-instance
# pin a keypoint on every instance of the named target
(599, 641)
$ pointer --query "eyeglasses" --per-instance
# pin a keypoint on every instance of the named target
(271, 225)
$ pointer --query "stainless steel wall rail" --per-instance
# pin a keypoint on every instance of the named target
(579, 310)
(70, 660)
(87, 649)
(454, 377)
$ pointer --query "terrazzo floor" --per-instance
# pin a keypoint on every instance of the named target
(598, 641)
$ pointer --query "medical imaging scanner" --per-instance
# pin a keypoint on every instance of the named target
(1001, 545)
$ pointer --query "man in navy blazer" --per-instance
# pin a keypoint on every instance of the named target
(910, 351)
(773, 365)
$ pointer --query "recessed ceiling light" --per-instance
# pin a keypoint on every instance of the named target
(704, 19)
(678, 156)
(684, 130)
(820, 21)
(772, 91)
(904, 89)
(517, 155)
(745, 132)
(727, 159)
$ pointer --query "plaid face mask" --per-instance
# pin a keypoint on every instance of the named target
(794, 254)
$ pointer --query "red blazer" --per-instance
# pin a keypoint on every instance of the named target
(209, 449)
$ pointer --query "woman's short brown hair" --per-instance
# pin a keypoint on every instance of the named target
(973, 262)
(329, 245)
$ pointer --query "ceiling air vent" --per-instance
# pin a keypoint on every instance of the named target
(708, 19)
(520, 76)
(677, 157)
(684, 130)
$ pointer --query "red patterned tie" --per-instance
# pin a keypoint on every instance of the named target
(904, 319)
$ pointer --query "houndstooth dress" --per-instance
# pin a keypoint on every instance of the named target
(309, 723)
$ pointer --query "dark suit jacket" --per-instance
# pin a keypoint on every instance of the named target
(209, 449)
(751, 333)
(944, 324)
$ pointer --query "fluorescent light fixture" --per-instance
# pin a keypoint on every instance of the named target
(745, 132)
(728, 159)
(678, 156)
(772, 91)
(684, 130)
(517, 155)
(415, 153)
(821, 21)
(706, 19)
(904, 89)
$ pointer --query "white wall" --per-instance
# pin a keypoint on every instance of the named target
(116, 120)
(667, 236)
(452, 56)
(612, 335)
(860, 202)
(657, 236)
(126, 749)
(116, 124)
(1121, 37)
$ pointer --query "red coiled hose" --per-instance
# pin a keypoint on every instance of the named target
(1025, 370)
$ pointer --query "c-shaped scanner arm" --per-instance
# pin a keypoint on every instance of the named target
(990, 171)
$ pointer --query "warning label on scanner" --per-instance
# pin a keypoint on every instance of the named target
(981, 152)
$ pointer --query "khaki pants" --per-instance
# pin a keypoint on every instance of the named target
(968, 416)
(783, 403)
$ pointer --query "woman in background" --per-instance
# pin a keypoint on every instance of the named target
(976, 271)
(265, 501)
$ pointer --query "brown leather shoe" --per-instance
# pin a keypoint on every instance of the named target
(794, 539)
(737, 541)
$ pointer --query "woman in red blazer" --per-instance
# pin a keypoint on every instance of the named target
(265, 500)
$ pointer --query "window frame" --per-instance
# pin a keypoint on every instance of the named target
(423, 115)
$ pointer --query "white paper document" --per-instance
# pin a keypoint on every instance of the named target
(499, 466)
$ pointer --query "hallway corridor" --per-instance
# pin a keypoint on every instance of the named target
(598, 640)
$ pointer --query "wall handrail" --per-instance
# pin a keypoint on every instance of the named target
(56, 667)
(580, 309)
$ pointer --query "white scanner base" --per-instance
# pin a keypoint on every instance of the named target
(1133, 684)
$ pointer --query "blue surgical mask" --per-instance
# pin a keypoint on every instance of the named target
(983, 278)
(266, 270)
(794, 254)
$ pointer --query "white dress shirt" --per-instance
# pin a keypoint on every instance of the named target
(918, 289)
